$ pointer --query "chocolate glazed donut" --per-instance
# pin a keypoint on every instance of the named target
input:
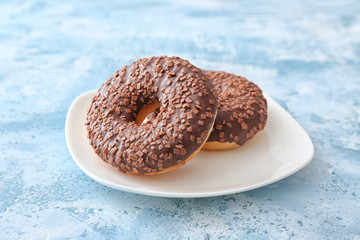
(242, 111)
(187, 105)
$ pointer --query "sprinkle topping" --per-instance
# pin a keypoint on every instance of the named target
(242, 110)
(176, 130)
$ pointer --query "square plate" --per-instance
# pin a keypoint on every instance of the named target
(278, 151)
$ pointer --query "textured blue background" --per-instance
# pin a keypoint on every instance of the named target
(304, 54)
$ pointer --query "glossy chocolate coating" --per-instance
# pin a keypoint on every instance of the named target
(242, 110)
(187, 113)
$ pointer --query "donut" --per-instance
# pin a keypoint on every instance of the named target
(242, 111)
(187, 106)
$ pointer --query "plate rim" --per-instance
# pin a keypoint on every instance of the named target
(182, 195)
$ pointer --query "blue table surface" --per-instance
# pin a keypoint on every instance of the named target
(304, 54)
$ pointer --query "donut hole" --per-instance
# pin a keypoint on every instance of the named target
(147, 113)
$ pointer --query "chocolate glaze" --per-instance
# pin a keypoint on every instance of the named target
(188, 110)
(242, 110)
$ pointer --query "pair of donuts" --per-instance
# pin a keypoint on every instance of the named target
(154, 115)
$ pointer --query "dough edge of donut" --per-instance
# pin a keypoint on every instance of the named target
(218, 146)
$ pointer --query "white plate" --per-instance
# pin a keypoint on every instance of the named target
(273, 154)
